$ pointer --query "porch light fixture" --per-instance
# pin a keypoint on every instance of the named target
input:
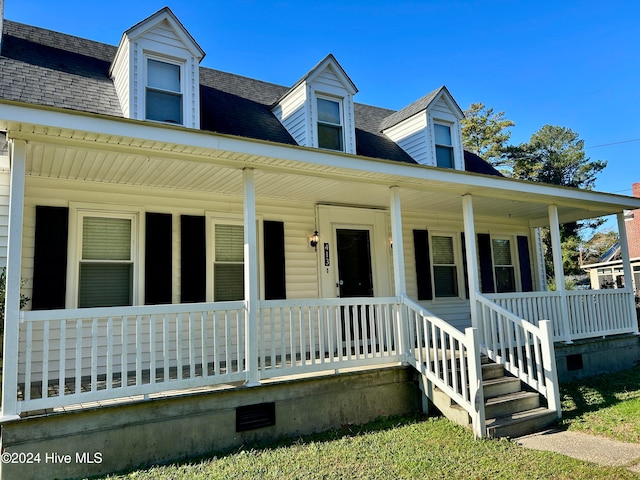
(313, 240)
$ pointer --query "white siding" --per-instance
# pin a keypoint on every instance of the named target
(411, 136)
(4, 214)
(293, 113)
(122, 78)
(298, 218)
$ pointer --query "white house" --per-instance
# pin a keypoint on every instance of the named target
(182, 228)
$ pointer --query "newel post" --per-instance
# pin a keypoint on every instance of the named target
(18, 154)
(250, 278)
(550, 368)
(476, 392)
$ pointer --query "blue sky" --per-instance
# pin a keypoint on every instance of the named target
(574, 64)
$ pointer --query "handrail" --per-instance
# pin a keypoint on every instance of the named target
(449, 358)
(523, 349)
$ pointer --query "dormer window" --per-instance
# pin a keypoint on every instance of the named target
(444, 146)
(164, 92)
(330, 134)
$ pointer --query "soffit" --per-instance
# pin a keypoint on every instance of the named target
(340, 179)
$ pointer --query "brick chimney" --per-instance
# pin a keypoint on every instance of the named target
(633, 226)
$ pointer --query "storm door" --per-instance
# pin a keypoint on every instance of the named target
(355, 280)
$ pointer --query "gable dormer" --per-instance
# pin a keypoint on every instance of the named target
(156, 72)
(429, 130)
(318, 110)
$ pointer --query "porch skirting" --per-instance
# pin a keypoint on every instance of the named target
(595, 356)
(114, 438)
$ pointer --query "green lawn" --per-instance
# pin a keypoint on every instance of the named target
(418, 447)
(606, 405)
(401, 448)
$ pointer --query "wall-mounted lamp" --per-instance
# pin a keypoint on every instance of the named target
(313, 240)
(391, 242)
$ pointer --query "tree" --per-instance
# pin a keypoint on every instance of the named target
(599, 244)
(485, 133)
(556, 155)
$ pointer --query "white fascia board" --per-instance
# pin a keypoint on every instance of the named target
(118, 127)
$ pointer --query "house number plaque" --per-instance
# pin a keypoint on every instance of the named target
(327, 262)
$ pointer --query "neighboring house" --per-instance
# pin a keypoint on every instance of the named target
(182, 227)
(608, 271)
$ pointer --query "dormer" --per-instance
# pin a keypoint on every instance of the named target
(318, 110)
(429, 130)
(156, 72)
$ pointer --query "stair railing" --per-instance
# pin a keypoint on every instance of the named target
(524, 349)
(448, 358)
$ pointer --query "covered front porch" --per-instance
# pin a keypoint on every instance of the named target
(55, 358)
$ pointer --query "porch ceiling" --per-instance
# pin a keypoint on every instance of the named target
(297, 174)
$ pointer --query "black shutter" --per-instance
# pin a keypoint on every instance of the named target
(157, 255)
(465, 267)
(274, 267)
(486, 263)
(525, 264)
(193, 266)
(50, 258)
(423, 264)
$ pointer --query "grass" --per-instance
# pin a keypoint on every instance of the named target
(399, 448)
(606, 405)
(418, 447)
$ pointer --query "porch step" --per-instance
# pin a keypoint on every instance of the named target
(495, 387)
(510, 410)
(520, 423)
(491, 370)
(511, 403)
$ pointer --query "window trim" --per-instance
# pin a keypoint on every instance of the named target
(77, 212)
(211, 219)
(515, 264)
(457, 259)
(317, 123)
(145, 87)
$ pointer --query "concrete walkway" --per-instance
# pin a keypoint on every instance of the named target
(582, 446)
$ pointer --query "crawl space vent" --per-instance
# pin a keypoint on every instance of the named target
(250, 417)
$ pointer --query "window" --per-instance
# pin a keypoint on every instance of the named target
(106, 261)
(228, 268)
(445, 277)
(164, 93)
(444, 146)
(503, 265)
(329, 125)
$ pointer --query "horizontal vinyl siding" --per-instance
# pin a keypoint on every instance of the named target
(440, 107)
(411, 136)
(121, 77)
(4, 216)
(163, 35)
(298, 218)
(293, 114)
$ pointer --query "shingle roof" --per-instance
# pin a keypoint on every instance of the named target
(48, 68)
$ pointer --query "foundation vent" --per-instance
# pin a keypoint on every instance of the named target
(251, 417)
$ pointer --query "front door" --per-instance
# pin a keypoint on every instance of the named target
(355, 280)
(354, 263)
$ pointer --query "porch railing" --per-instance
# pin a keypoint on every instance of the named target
(447, 357)
(68, 357)
(591, 313)
(524, 349)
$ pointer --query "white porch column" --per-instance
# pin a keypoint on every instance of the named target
(472, 257)
(18, 154)
(398, 245)
(250, 278)
(626, 264)
(558, 270)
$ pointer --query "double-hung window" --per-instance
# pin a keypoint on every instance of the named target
(503, 265)
(228, 267)
(444, 145)
(330, 134)
(445, 275)
(164, 91)
(106, 266)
